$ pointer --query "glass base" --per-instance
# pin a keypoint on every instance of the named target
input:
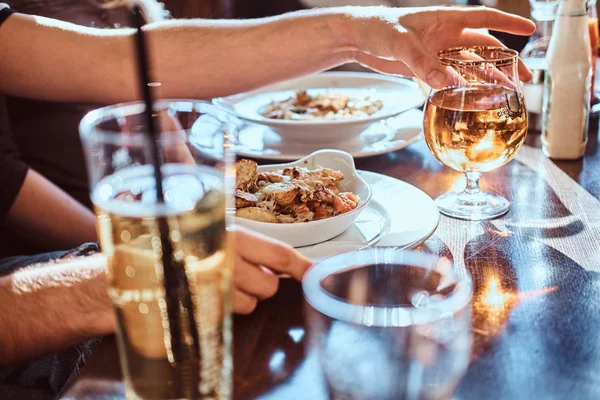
(472, 207)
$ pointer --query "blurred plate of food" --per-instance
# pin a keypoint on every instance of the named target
(260, 142)
(327, 107)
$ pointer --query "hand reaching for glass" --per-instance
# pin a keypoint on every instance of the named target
(405, 41)
(391, 40)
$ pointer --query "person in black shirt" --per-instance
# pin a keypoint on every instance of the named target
(60, 299)
(52, 305)
(45, 133)
(34, 212)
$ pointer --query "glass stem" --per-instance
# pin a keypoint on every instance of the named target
(472, 188)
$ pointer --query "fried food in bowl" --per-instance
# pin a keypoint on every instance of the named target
(302, 203)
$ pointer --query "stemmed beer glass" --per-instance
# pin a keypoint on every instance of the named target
(476, 125)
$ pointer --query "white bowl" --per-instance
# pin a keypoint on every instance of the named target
(312, 232)
(398, 95)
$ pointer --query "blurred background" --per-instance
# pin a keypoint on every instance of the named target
(262, 8)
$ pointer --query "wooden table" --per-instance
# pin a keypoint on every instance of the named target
(542, 342)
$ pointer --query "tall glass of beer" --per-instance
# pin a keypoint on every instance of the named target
(169, 259)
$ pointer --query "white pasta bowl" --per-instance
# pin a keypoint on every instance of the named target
(308, 233)
(397, 94)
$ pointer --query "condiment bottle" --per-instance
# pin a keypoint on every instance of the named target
(567, 87)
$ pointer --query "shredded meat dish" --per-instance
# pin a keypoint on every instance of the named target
(303, 106)
(290, 195)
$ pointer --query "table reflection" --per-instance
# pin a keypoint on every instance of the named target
(494, 298)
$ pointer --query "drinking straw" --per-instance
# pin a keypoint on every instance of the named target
(142, 57)
(176, 283)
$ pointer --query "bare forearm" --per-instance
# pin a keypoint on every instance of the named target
(49, 217)
(191, 58)
(49, 307)
(198, 58)
(225, 57)
(52, 60)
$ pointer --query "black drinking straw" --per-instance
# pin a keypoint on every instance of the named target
(147, 96)
(177, 289)
(170, 271)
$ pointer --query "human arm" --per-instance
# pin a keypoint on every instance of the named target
(46, 215)
(36, 209)
(51, 306)
(48, 307)
(54, 60)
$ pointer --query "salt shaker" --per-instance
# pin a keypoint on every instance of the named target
(567, 86)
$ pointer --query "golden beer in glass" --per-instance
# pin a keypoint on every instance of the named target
(175, 346)
(476, 125)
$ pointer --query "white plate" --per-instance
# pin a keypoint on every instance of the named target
(260, 142)
(398, 95)
(399, 214)
(309, 233)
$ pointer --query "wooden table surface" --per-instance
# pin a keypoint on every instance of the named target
(542, 342)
